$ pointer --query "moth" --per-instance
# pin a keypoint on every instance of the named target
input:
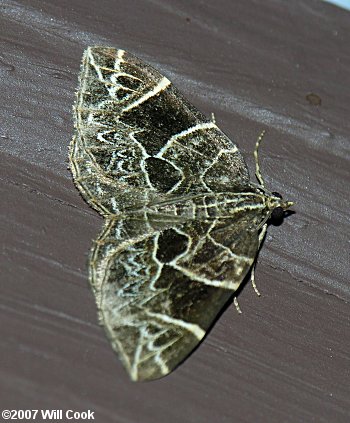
(182, 221)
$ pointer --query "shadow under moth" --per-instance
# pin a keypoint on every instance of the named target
(183, 223)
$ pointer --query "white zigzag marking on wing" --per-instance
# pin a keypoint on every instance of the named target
(97, 68)
(180, 181)
(197, 331)
(163, 367)
(223, 178)
(163, 83)
(210, 282)
(159, 264)
(188, 248)
(145, 155)
(228, 250)
(115, 85)
(174, 138)
(154, 352)
(137, 355)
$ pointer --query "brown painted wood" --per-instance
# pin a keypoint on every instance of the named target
(286, 359)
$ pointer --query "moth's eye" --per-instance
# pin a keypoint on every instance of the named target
(277, 214)
(276, 194)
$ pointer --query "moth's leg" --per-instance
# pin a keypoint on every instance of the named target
(256, 156)
(252, 279)
(213, 118)
(235, 302)
(252, 273)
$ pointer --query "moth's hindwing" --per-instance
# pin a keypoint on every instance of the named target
(174, 246)
(159, 291)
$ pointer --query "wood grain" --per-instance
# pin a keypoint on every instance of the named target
(286, 359)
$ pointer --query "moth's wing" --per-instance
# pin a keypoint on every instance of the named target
(159, 290)
(138, 139)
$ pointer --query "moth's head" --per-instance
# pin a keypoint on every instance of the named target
(278, 206)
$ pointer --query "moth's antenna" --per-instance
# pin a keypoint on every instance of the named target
(257, 167)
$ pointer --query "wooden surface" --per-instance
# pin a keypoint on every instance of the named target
(286, 358)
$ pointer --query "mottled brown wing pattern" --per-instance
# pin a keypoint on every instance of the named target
(182, 219)
(133, 125)
(159, 290)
